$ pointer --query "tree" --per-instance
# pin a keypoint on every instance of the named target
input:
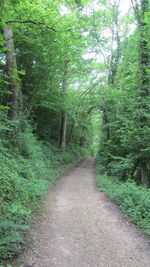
(143, 95)
(12, 72)
(125, 134)
(63, 127)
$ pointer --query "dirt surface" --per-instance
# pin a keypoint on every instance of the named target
(80, 227)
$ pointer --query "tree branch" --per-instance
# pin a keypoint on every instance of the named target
(136, 10)
(35, 23)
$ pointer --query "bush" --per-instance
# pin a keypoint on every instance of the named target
(28, 167)
(133, 200)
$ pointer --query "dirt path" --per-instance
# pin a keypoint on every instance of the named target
(80, 227)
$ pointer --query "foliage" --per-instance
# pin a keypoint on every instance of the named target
(44, 39)
(102, 59)
(27, 169)
(133, 200)
(124, 148)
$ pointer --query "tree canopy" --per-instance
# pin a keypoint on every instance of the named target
(75, 76)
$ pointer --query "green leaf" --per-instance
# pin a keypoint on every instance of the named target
(10, 224)
(3, 107)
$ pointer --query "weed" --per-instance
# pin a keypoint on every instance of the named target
(133, 200)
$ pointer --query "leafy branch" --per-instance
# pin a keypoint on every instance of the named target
(35, 23)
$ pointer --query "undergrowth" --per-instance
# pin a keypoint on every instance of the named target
(28, 167)
(133, 200)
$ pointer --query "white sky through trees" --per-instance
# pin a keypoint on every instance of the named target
(124, 6)
(96, 5)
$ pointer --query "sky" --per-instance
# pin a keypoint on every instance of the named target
(124, 6)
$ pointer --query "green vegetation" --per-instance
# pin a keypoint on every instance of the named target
(43, 129)
(133, 200)
(27, 170)
(74, 81)
(123, 158)
(125, 147)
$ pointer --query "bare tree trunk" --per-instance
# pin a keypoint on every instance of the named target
(63, 130)
(63, 127)
(12, 72)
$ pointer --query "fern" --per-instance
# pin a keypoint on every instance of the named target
(14, 238)
(10, 224)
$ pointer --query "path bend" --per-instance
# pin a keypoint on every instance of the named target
(80, 227)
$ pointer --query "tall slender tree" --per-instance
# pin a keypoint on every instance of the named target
(63, 127)
(143, 95)
(12, 72)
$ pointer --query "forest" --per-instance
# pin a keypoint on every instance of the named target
(74, 83)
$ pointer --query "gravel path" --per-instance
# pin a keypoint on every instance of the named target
(80, 227)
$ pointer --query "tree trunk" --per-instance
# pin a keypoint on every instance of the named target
(113, 67)
(63, 130)
(144, 80)
(12, 72)
(144, 174)
(106, 124)
(63, 127)
(144, 61)
(71, 132)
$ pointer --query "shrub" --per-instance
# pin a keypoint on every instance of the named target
(28, 167)
(133, 200)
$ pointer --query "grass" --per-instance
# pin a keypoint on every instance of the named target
(133, 200)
